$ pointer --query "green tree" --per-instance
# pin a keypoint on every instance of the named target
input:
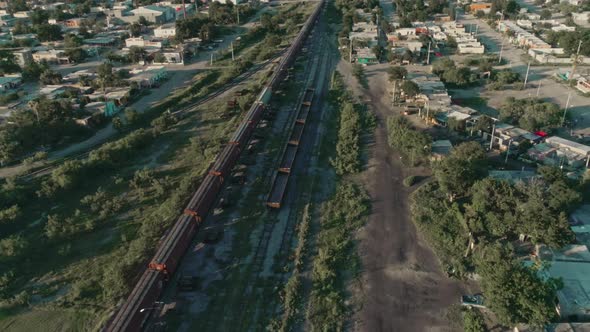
(397, 73)
(50, 77)
(513, 291)
(13, 246)
(48, 32)
(135, 29)
(457, 172)
(8, 64)
(410, 89)
(136, 54)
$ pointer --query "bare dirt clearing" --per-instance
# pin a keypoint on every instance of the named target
(402, 287)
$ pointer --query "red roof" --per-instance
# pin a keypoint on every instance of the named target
(541, 133)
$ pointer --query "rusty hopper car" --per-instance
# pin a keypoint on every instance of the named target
(130, 316)
(175, 244)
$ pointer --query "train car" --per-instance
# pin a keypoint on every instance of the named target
(226, 160)
(203, 199)
(171, 251)
(136, 310)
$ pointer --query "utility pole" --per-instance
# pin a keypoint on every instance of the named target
(238, 13)
(232, 51)
(476, 29)
(211, 58)
(183, 9)
(508, 151)
(501, 50)
(393, 94)
(350, 50)
(428, 56)
(526, 77)
(538, 88)
(567, 104)
(493, 131)
(571, 76)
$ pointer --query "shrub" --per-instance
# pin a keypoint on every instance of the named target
(409, 181)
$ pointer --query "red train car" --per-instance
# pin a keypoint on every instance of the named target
(226, 160)
(201, 202)
(172, 249)
(131, 317)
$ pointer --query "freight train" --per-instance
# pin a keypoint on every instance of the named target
(135, 311)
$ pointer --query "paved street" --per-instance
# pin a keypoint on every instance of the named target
(579, 106)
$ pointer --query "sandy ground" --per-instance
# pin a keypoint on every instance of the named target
(402, 287)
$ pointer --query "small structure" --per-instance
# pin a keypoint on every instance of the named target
(155, 14)
(512, 175)
(10, 82)
(165, 31)
(23, 57)
(560, 152)
(365, 56)
(150, 77)
(441, 149)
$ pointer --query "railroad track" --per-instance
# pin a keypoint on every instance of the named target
(130, 316)
(250, 292)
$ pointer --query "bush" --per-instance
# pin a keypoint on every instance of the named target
(410, 181)
(473, 321)
(413, 145)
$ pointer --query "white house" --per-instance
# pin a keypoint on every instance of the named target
(165, 31)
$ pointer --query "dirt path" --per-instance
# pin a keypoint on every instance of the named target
(402, 287)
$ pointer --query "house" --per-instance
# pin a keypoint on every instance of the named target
(471, 48)
(559, 152)
(178, 8)
(149, 77)
(366, 56)
(165, 31)
(155, 14)
(583, 85)
(51, 56)
(141, 42)
(100, 41)
(508, 136)
(462, 115)
(581, 18)
(173, 56)
(10, 82)
(23, 57)
(433, 94)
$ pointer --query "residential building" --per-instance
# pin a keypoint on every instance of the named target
(583, 85)
(165, 31)
(23, 57)
(149, 77)
(10, 82)
(155, 14)
(365, 55)
(559, 152)
(522, 37)
(433, 94)
(581, 18)
(141, 42)
(51, 56)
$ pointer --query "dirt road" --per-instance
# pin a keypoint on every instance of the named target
(402, 287)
